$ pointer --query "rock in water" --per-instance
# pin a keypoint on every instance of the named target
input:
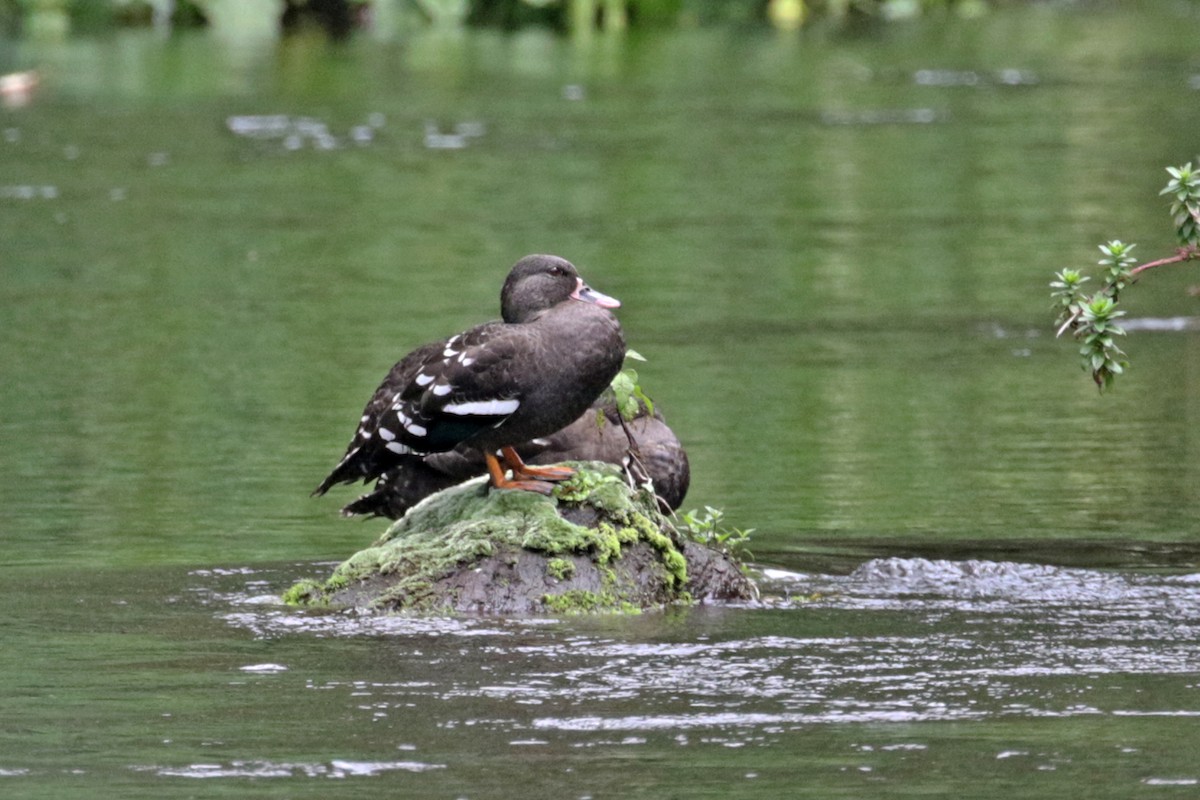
(595, 545)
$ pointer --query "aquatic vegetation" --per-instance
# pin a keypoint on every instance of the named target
(1092, 318)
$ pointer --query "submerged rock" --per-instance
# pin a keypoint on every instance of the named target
(594, 545)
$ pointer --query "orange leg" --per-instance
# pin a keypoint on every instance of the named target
(496, 471)
(522, 470)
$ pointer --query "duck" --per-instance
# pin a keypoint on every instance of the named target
(644, 446)
(554, 351)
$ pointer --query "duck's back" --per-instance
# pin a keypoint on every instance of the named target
(555, 366)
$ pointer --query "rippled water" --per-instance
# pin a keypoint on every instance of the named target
(904, 675)
(979, 576)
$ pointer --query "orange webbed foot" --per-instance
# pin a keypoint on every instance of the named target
(521, 470)
(544, 473)
(541, 487)
(519, 479)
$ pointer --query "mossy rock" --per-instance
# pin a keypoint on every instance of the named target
(595, 545)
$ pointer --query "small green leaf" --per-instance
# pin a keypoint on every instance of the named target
(628, 407)
(646, 401)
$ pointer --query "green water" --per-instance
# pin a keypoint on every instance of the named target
(833, 249)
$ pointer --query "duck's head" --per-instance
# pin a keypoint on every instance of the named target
(539, 282)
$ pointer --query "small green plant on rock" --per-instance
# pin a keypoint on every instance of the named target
(708, 530)
(626, 392)
(1092, 318)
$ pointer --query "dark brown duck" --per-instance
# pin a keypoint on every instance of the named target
(496, 385)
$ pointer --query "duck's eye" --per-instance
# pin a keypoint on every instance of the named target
(558, 272)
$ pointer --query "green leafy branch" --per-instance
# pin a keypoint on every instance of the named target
(709, 531)
(627, 392)
(627, 397)
(1092, 318)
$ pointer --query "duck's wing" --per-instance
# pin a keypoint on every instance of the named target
(365, 457)
(471, 386)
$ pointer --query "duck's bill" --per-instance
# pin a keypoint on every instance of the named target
(589, 295)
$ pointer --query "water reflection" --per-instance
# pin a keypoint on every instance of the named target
(296, 133)
(903, 116)
(337, 768)
(946, 77)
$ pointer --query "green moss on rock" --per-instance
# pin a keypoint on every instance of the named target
(581, 601)
(594, 545)
(560, 568)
